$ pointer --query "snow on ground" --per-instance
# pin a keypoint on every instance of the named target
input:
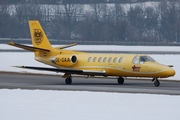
(9, 59)
(67, 105)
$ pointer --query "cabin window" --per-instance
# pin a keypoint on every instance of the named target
(89, 59)
(120, 59)
(109, 60)
(99, 60)
(115, 59)
(135, 60)
(104, 60)
(94, 60)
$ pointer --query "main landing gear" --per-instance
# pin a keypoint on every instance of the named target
(156, 82)
(120, 80)
(68, 80)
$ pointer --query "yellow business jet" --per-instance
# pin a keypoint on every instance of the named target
(74, 62)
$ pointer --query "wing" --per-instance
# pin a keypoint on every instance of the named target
(70, 71)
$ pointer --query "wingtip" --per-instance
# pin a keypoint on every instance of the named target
(18, 66)
(11, 43)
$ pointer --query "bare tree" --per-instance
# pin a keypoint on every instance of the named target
(119, 12)
(57, 30)
(71, 11)
(151, 25)
(97, 14)
(168, 18)
(24, 13)
(4, 19)
(85, 28)
(136, 18)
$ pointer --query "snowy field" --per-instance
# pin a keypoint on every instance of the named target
(74, 105)
(82, 105)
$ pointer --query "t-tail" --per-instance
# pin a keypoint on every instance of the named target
(41, 45)
(40, 42)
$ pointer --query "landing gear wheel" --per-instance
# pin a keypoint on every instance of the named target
(156, 82)
(120, 80)
(68, 80)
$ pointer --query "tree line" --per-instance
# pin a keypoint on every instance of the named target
(73, 1)
(158, 22)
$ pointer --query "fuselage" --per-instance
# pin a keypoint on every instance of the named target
(127, 65)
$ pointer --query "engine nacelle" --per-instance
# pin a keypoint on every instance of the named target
(65, 60)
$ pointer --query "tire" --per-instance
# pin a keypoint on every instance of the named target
(120, 80)
(156, 83)
(68, 81)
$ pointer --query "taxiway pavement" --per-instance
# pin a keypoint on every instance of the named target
(54, 82)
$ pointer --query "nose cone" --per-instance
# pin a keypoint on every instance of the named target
(170, 72)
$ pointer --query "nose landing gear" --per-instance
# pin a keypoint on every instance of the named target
(156, 82)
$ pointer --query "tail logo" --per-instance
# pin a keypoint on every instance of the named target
(38, 36)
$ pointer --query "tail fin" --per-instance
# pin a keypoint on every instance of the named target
(38, 36)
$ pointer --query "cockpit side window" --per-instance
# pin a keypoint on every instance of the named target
(142, 59)
(135, 60)
(151, 59)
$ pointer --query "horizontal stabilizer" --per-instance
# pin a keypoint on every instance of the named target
(66, 46)
(71, 71)
(29, 48)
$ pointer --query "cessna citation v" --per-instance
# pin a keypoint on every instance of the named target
(74, 62)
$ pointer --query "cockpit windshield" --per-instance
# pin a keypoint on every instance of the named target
(146, 59)
(141, 59)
